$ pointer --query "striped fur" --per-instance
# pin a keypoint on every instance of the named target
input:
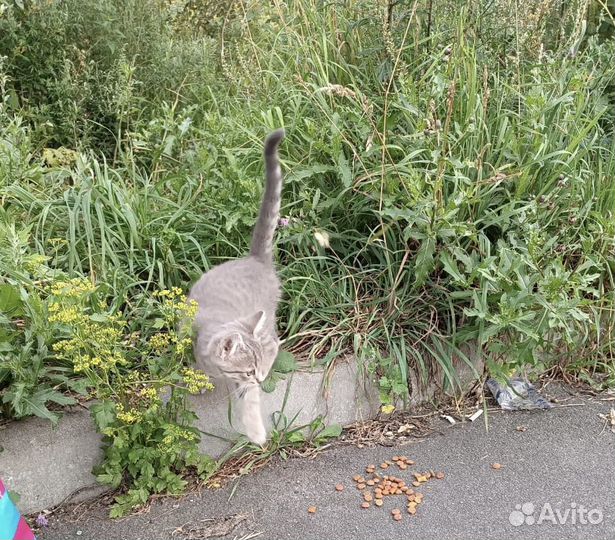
(262, 237)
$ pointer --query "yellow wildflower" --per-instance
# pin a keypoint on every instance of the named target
(64, 314)
(34, 263)
(57, 241)
(387, 409)
(196, 380)
(175, 434)
(174, 292)
(66, 347)
(187, 309)
(96, 361)
(159, 342)
(81, 362)
(72, 288)
(183, 345)
(150, 396)
(128, 417)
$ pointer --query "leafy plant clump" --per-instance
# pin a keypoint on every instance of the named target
(62, 342)
(149, 444)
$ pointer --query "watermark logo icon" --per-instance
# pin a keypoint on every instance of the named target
(522, 514)
(525, 514)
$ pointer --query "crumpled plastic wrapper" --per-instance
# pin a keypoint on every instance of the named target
(517, 395)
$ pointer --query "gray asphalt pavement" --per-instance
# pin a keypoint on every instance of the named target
(557, 481)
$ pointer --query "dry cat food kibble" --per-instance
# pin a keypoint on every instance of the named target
(496, 466)
(311, 509)
(374, 487)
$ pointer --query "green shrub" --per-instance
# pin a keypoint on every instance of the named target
(82, 72)
(148, 439)
(29, 382)
(60, 340)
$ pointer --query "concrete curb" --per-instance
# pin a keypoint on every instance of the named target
(46, 465)
(339, 396)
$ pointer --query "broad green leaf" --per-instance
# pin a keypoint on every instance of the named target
(109, 479)
(78, 385)
(344, 169)
(296, 437)
(330, 432)
(284, 363)
(118, 511)
(424, 260)
(268, 385)
(49, 394)
(104, 414)
(302, 174)
(36, 403)
(10, 300)
(450, 267)
(396, 213)
(38, 408)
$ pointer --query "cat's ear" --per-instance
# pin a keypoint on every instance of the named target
(256, 323)
(229, 344)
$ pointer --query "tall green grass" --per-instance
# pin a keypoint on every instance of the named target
(460, 163)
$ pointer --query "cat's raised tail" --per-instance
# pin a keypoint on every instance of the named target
(262, 237)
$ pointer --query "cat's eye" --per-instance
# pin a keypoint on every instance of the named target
(251, 373)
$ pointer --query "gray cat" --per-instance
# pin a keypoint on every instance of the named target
(235, 324)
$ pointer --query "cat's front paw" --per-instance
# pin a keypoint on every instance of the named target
(257, 434)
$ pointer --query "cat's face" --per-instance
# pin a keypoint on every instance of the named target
(240, 356)
(244, 351)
